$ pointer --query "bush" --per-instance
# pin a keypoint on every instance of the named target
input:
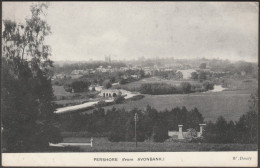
(158, 88)
(101, 103)
(207, 85)
(107, 84)
(119, 99)
(186, 87)
(80, 86)
(122, 81)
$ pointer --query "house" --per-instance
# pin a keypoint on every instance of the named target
(243, 73)
(135, 76)
(96, 88)
(59, 76)
(91, 87)
(147, 71)
(185, 74)
(77, 72)
(99, 88)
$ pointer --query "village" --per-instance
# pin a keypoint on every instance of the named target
(109, 91)
(85, 92)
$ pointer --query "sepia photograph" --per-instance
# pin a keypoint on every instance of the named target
(129, 83)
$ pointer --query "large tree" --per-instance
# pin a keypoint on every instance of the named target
(28, 121)
(247, 126)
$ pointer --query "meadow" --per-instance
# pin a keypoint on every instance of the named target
(230, 103)
(101, 144)
(211, 105)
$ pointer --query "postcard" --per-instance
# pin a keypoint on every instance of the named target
(129, 84)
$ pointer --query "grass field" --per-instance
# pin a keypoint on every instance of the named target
(230, 105)
(103, 145)
(64, 98)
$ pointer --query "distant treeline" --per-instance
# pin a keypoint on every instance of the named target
(68, 68)
(98, 78)
(184, 87)
(118, 124)
(164, 88)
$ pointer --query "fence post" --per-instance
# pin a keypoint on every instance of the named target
(91, 140)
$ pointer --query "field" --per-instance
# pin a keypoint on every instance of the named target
(103, 145)
(231, 103)
(64, 98)
(212, 105)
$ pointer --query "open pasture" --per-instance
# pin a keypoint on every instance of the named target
(230, 105)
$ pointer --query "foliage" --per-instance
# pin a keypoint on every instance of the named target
(101, 103)
(186, 87)
(119, 99)
(194, 75)
(243, 131)
(207, 85)
(107, 84)
(158, 88)
(164, 88)
(203, 65)
(119, 123)
(247, 124)
(165, 74)
(80, 86)
(202, 76)
(29, 123)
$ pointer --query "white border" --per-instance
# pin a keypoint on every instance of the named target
(173, 159)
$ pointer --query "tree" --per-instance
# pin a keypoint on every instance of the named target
(194, 75)
(220, 132)
(29, 123)
(80, 86)
(202, 76)
(119, 99)
(194, 118)
(203, 66)
(186, 87)
(107, 84)
(247, 124)
(207, 85)
(246, 67)
(160, 132)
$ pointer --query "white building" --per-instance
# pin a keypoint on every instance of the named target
(185, 74)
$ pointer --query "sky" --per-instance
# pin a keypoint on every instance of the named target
(130, 30)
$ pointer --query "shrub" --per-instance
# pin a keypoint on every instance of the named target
(207, 85)
(186, 87)
(119, 99)
(107, 84)
(101, 103)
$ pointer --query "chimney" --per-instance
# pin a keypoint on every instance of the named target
(201, 129)
(180, 135)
